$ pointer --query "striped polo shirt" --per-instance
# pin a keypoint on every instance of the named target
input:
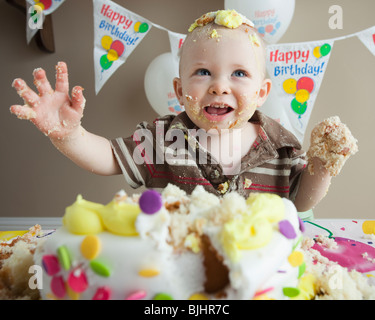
(167, 151)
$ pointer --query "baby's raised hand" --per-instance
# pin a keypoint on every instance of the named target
(52, 111)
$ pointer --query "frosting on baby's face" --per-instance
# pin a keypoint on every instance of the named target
(222, 74)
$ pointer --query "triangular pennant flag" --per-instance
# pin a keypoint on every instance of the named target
(296, 71)
(117, 32)
(176, 40)
(368, 38)
(35, 13)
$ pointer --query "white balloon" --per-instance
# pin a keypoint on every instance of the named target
(271, 17)
(159, 85)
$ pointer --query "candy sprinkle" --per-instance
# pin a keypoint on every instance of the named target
(100, 268)
(296, 258)
(58, 286)
(90, 247)
(287, 229)
(64, 257)
(103, 293)
(50, 264)
(163, 296)
(291, 292)
(148, 273)
(137, 295)
(77, 280)
(150, 201)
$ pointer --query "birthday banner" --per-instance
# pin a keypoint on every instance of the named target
(36, 10)
(117, 32)
(296, 71)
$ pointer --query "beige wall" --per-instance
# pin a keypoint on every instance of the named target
(36, 180)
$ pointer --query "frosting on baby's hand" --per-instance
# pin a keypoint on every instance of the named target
(333, 143)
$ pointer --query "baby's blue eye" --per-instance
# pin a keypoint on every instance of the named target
(203, 72)
(239, 73)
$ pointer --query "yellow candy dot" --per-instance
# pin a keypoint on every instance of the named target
(290, 86)
(302, 95)
(90, 247)
(316, 52)
(368, 227)
(296, 258)
(263, 297)
(72, 294)
(106, 42)
(148, 273)
(198, 296)
(112, 55)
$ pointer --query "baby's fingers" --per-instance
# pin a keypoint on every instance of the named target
(41, 82)
(23, 112)
(78, 100)
(29, 96)
(62, 82)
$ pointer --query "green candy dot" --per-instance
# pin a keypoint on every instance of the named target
(163, 296)
(301, 270)
(100, 268)
(64, 258)
(291, 292)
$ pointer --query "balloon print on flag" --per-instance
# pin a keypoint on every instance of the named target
(117, 32)
(114, 49)
(270, 17)
(296, 71)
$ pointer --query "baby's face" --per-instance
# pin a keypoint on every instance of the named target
(222, 78)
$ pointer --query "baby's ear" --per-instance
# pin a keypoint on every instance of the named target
(264, 91)
(178, 89)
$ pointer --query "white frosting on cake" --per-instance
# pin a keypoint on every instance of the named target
(253, 239)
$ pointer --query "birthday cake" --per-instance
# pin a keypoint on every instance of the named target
(173, 246)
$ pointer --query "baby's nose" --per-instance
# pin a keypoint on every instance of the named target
(219, 87)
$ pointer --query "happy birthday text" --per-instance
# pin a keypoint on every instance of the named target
(116, 17)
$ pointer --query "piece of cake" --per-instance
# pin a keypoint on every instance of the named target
(16, 257)
(333, 143)
(175, 246)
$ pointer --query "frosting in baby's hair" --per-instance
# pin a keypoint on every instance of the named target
(227, 18)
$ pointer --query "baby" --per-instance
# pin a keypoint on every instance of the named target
(221, 141)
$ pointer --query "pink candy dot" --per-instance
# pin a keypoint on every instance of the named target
(58, 286)
(51, 264)
(77, 280)
(103, 293)
(136, 295)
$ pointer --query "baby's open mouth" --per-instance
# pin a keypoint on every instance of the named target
(218, 109)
